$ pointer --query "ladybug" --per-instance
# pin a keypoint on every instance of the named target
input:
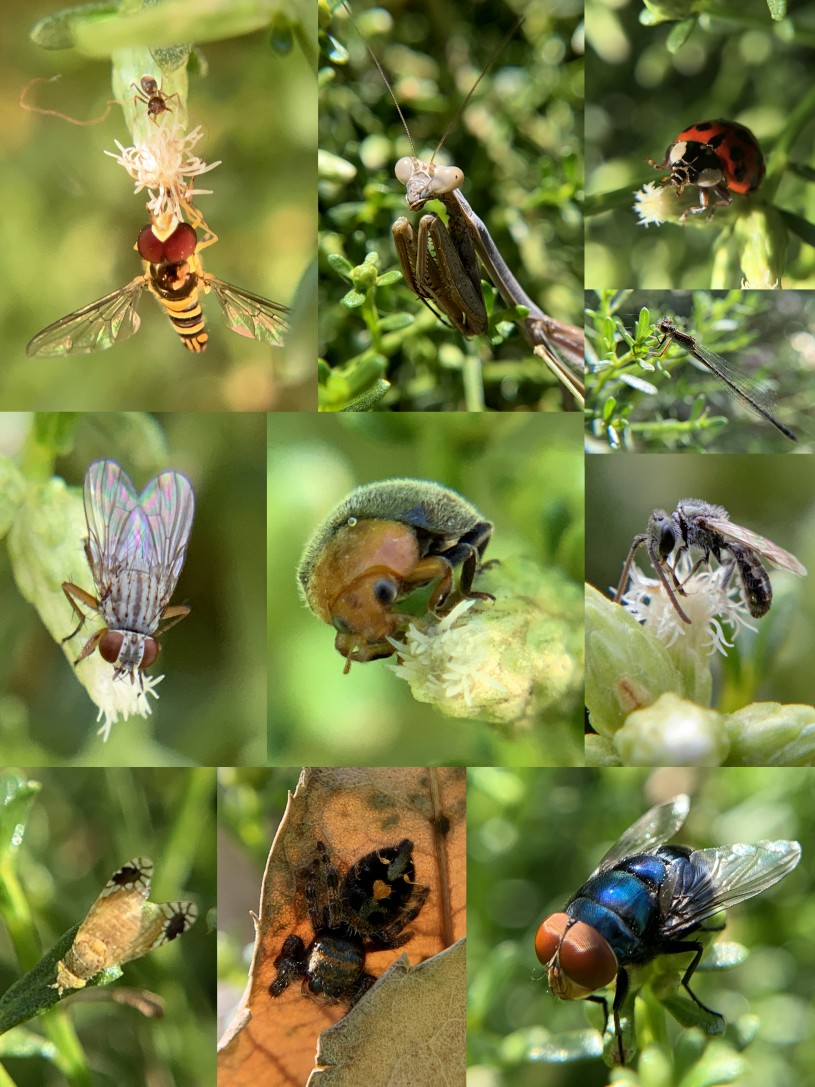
(719, 157)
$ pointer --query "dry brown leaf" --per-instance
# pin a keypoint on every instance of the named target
(377, 1044)
(272, 1041)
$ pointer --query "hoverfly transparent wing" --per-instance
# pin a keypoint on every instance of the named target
(723, 876)
(92, 328)
(248, 314)
(758, 543)
(650, 831)
(167, 507)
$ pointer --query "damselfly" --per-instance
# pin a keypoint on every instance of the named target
(738, 384)
(136, 548)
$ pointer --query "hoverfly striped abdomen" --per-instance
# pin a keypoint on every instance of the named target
(176, 288)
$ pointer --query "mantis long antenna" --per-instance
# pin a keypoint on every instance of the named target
(381, 70)
(493, 57)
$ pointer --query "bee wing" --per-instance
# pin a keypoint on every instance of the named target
(93, 328)
(167, 504)
(249, 314)
(758, 543)
(160, 922)
(718, 878)
(650, 831)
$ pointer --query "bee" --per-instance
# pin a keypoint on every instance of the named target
(708, 528)
(174, 275)
(136, 547)
(149, 92)
(122, 925)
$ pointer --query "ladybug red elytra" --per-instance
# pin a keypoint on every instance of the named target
(719, 157)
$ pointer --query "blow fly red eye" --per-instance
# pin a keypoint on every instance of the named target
(149, 246)
(110, 645)
(549, 935)
(586, 957)
(181, 243)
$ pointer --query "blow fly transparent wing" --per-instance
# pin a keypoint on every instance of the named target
(248, 314)
(92, 328)
(110, 499)
(166, 508)
(758, 543)
(718, 878)
(649, 832)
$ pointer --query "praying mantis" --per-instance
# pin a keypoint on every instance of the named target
(445, 255)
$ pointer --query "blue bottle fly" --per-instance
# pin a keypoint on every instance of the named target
(646, 899)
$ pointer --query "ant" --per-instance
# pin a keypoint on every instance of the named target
(153, 97)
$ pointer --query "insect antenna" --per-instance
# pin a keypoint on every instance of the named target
(493, 57)
(381, 71)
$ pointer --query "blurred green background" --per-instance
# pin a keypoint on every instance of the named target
(82, 826)
(642, 91)
(766, 338)
(73, 220)
(251, 803)
(519, 144)
(212, 702)
(773, 495)
(534, 836)
(524, 473)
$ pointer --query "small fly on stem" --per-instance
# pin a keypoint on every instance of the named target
(440, 261)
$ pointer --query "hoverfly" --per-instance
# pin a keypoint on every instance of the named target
(122, 925)
(645, 899)
(136, 547)
(149, 92)
(700, 524)
(173, 274)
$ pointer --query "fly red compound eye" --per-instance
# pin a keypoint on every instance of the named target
(181, 244)
(149, 246)
(178, 247)
(110, 645)
(717, 157)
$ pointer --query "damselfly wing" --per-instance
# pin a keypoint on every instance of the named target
(136, 548)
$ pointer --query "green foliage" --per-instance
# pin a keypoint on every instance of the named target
(525, 478)
(517, 143)
(534, 837)
(651, 78)
(643, 399)
(71, 829)
(767, 665)
(77, 216)
(214, 663)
